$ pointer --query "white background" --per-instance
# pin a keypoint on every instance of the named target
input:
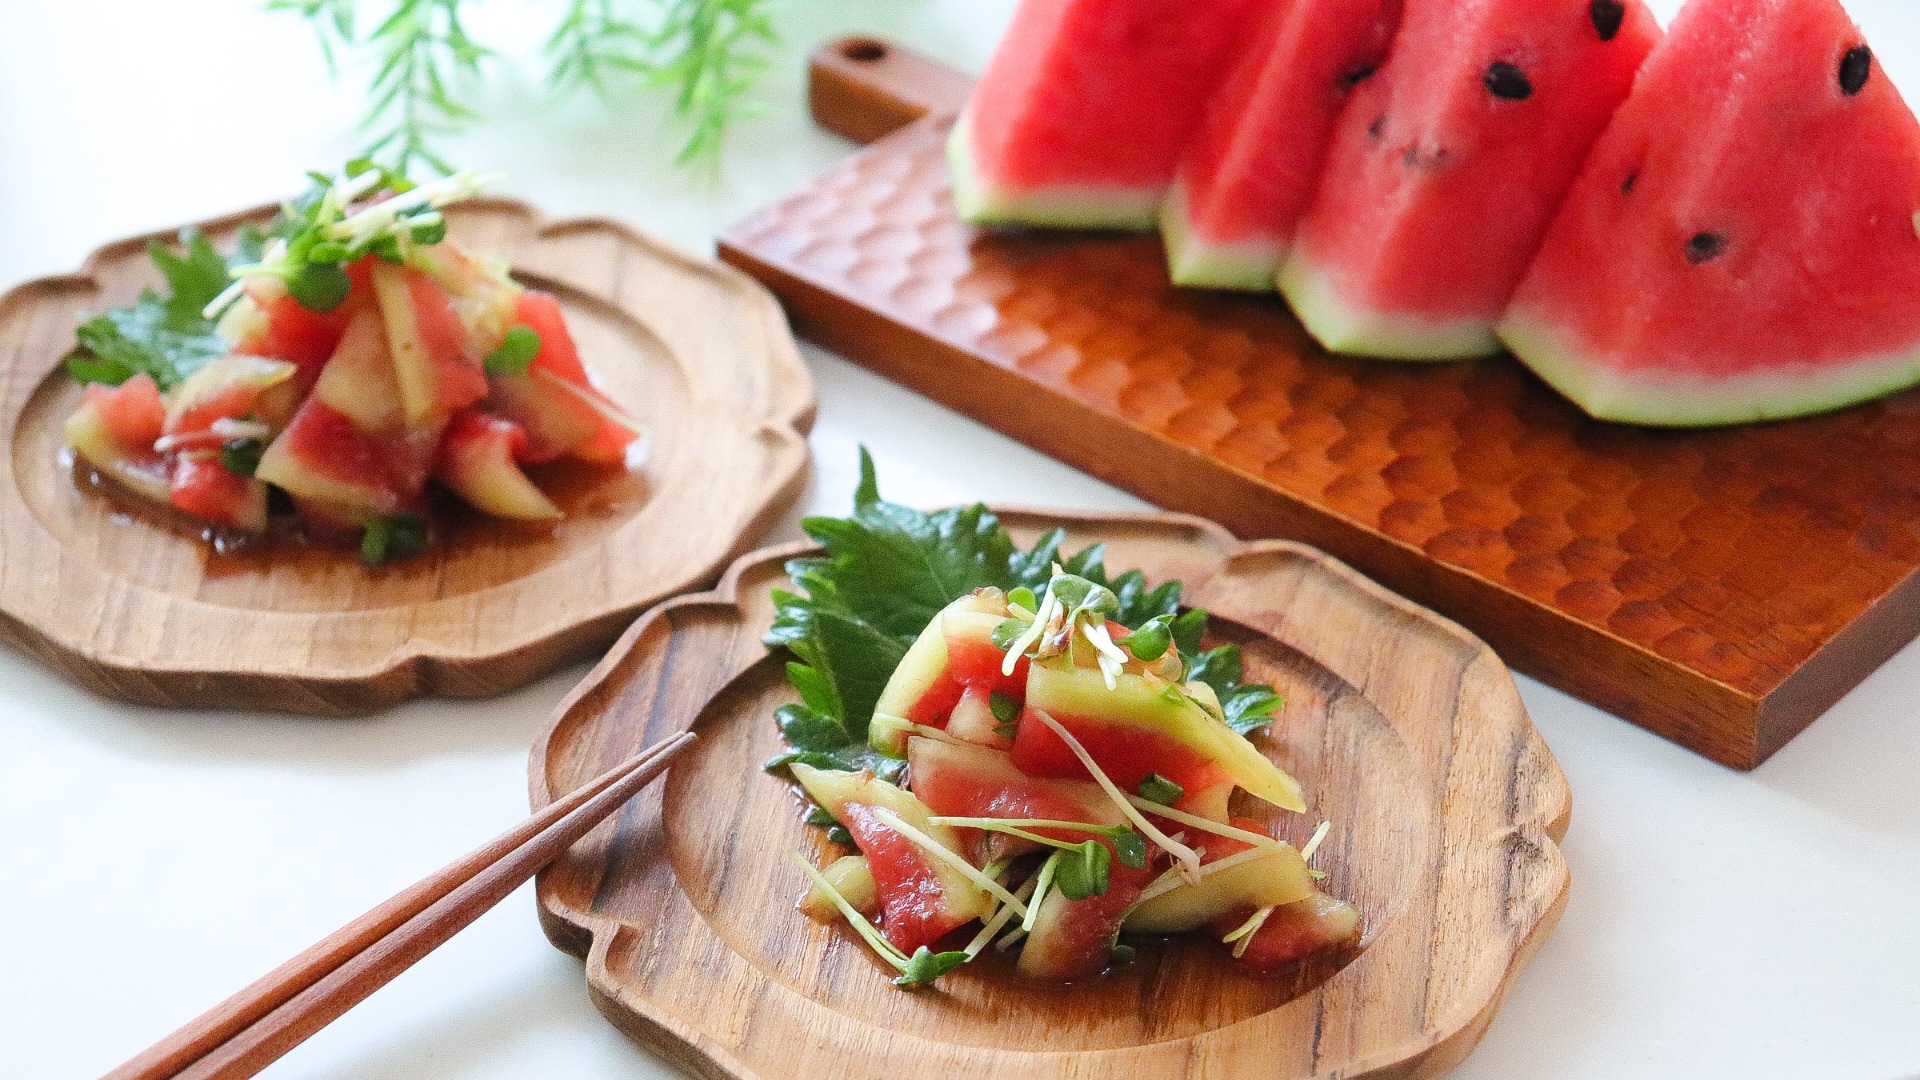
(1720, 925)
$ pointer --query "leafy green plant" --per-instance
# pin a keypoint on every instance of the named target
(704, 53)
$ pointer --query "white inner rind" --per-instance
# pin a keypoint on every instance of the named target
(1060, 207)
(1192, 260)
(1343, 328)
(1670, 398)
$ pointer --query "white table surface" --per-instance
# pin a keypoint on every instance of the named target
(1721, 925)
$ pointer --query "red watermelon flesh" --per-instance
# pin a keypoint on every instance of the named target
(1256, 157)
(1083, 112)
(1448, 166)
(956, 780)
(1741, 246)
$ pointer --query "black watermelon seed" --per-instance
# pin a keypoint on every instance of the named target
(1705, 247)
(1378, 126)
(1607, 15)
(1854, 69)
(1506, 81)
(1626, 186)
(1355, 77)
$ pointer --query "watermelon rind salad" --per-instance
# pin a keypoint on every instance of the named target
(1018, 739)
(1344, 328)
(979, 201)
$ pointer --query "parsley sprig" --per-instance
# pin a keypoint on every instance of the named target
(887, 570)
(705, 53)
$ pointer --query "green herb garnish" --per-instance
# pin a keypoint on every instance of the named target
(393, 537)
(1158, 789)
(1006, 713)
(242, 456)
(366, 210)
(166, 338)
(925, 965)
(1083, 870)
(515, 354)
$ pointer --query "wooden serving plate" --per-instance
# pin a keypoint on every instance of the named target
(1721, 588)
(131, 602)
(1405, 730)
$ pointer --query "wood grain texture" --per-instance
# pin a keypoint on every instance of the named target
(127, 600)
(1406, 731)
(1721, 588)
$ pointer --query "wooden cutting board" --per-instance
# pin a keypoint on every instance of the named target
(127, 599)
(1405, 731)
(1720, 587)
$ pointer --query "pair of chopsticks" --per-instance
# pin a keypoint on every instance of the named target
(250, 1030)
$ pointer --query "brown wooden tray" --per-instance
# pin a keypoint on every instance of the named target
(1405, 731)
(1721, 588)
(128, 600)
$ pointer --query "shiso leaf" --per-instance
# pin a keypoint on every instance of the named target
(1248, 707)
(885, 572)
(163, 337)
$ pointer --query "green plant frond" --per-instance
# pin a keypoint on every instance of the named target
(706, 54)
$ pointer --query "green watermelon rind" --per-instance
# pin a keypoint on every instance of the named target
(1342, 328)
(1197, 263)
(1705, 400)
(979, 203)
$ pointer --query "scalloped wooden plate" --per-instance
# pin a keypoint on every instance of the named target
(131, 602)
(1406, 731)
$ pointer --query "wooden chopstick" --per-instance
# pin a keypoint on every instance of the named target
(243, 1034)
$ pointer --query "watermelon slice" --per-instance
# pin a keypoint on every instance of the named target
(1447, 168)
(1082, 114)
(1293, 932)
(1073, 939)
(1271, 880)
(956, 780)
(1741, 246)
(1136, 730)
(1256, 157)
(477, 460)
(953, 667)
(922, 898)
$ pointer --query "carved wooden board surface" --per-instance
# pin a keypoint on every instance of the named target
(1405, 730)
(1721, 588)
(128, 600)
